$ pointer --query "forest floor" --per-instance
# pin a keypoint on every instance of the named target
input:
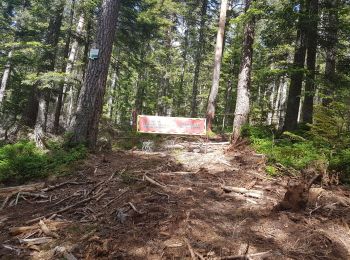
(171, 204)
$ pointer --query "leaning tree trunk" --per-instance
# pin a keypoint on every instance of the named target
(198, 58)
(331, 35)
(217, 65)
(85, 125)
(308, 105)
(5, 77)
(293, 102)
(244, 78)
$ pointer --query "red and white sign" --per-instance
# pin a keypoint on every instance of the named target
(171, 125)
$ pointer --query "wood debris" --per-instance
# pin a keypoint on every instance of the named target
(4, 192)
(257, 194)
(36, 241)
(62, 251)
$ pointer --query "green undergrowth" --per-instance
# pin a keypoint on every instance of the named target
(23, 161)
(298, 150)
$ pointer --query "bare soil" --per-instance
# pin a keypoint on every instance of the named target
(185, 215)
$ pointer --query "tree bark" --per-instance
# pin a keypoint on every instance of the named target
(5, 77)
(244, 78)
(217, 65)
(297, 75)
(310, 62)
(86, 119)
(198, 58)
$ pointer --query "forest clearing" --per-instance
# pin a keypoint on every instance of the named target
(173, 204)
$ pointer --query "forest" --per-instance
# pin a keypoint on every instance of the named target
(270, 78)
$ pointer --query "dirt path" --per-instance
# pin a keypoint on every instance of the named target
(112, 210)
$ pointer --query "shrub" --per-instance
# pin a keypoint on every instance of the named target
(22, 161)
(340, 162)
(291, 151)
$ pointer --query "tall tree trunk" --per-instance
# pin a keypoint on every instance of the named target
(5, 77)
(59, 101)
(244, 78)
(308, 105)
(165, 89)
(331, 34)
(291, 118)
(272, 101)
(282, 101)
(217, 65)
(276, 104)
(180, 96)
(112, 91)
(69, 68)
(88, 41)
(228, 94)
(198, 58)
(86, 120)
(49, 60)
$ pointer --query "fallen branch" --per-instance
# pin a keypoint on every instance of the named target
(36, 241)
(134, 208)
(246, 257)
(62, 251)
(17, 250)
(63, 210)
(24, 188)
(193, 255)
(5, 201)
(19, 230)
(257, 194)
(46, 230)
(154, 182)
(114, 199)
(62, 184)
(52, 225)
